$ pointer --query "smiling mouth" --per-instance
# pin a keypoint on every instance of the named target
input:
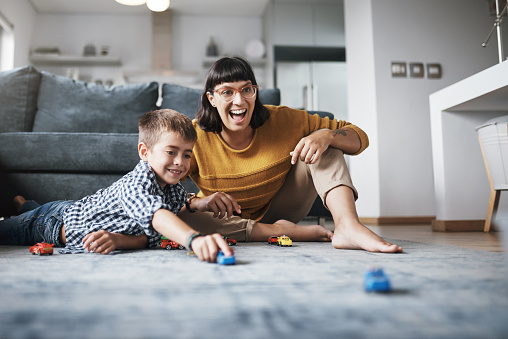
(237, 114)
(175, 172)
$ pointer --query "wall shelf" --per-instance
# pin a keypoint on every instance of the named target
(74, 60)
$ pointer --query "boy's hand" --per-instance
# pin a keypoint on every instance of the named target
(220, 203)
(101, 242)
(207, 247)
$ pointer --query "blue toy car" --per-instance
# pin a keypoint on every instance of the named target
(377, 281)
(223, 260)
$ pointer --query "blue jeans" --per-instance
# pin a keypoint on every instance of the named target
(35, 224)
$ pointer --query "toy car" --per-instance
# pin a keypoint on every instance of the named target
(230, 242)
(284, 240)
(223, 260)
(170, 244)
(42, 248)
(272, 240)
(376, 281)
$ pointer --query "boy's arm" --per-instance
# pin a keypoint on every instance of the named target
(205, 247)
(104, 242)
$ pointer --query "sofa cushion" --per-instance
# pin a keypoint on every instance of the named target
(55, 152)
(46, 187)
(270, 96)
(66, 105)
(187, 100)
(18, 98)
(183, 99)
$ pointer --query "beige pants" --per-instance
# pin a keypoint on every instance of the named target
(292, 202)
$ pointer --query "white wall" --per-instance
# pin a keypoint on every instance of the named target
(192, 33)
(22, 16)
(395, 113)
(362, 106)
(129, 38)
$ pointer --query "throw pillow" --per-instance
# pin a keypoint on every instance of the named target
(187, 100)
(18, 98)
(66, 105)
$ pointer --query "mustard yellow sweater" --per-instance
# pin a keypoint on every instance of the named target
(253, 175)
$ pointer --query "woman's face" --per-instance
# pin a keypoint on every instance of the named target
(236, 113)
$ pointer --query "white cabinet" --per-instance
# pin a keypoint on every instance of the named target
(299, 24)
(317, 86)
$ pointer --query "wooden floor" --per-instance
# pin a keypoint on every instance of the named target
(423, 233)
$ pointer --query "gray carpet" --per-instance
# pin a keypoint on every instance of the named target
(308, 291)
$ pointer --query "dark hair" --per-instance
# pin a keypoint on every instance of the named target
(155, 123)
(228, 69)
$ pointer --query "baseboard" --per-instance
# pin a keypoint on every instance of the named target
(397, 220)
(458, 225)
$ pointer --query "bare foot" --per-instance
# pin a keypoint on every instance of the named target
(303, 233)
(355, 236)
(18, 201)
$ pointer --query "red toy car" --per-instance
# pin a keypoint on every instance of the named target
(230, 242)
(272, 240)
(170, 244)
(42, 248)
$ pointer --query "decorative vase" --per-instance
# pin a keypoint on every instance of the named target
(211, 49)
(89, 50)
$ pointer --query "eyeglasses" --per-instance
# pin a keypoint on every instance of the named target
(228, 93)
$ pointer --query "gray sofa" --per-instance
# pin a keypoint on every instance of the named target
(63, 139)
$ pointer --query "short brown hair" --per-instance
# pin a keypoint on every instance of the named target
(154, 123)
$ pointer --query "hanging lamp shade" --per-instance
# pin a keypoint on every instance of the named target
(131, 2)
(157, 5)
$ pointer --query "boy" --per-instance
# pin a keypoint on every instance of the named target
(131, 213)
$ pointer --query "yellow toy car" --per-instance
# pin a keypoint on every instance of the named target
(284, 240)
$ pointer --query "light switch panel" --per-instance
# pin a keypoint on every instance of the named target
(434, 71)
(399, 69)
(416, 70)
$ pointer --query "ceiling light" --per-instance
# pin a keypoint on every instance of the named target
(157, 5)
(131, 2)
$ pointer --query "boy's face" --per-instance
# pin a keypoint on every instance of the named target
(169, 158)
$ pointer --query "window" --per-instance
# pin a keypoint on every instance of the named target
(6, 43)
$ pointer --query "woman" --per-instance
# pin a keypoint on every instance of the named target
(272, 161)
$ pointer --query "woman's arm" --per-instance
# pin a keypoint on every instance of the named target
(346, 139)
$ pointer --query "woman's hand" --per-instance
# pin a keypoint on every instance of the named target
(207, 247)
(310, 148)
(221, 204)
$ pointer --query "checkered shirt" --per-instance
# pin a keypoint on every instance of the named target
(127, 207)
